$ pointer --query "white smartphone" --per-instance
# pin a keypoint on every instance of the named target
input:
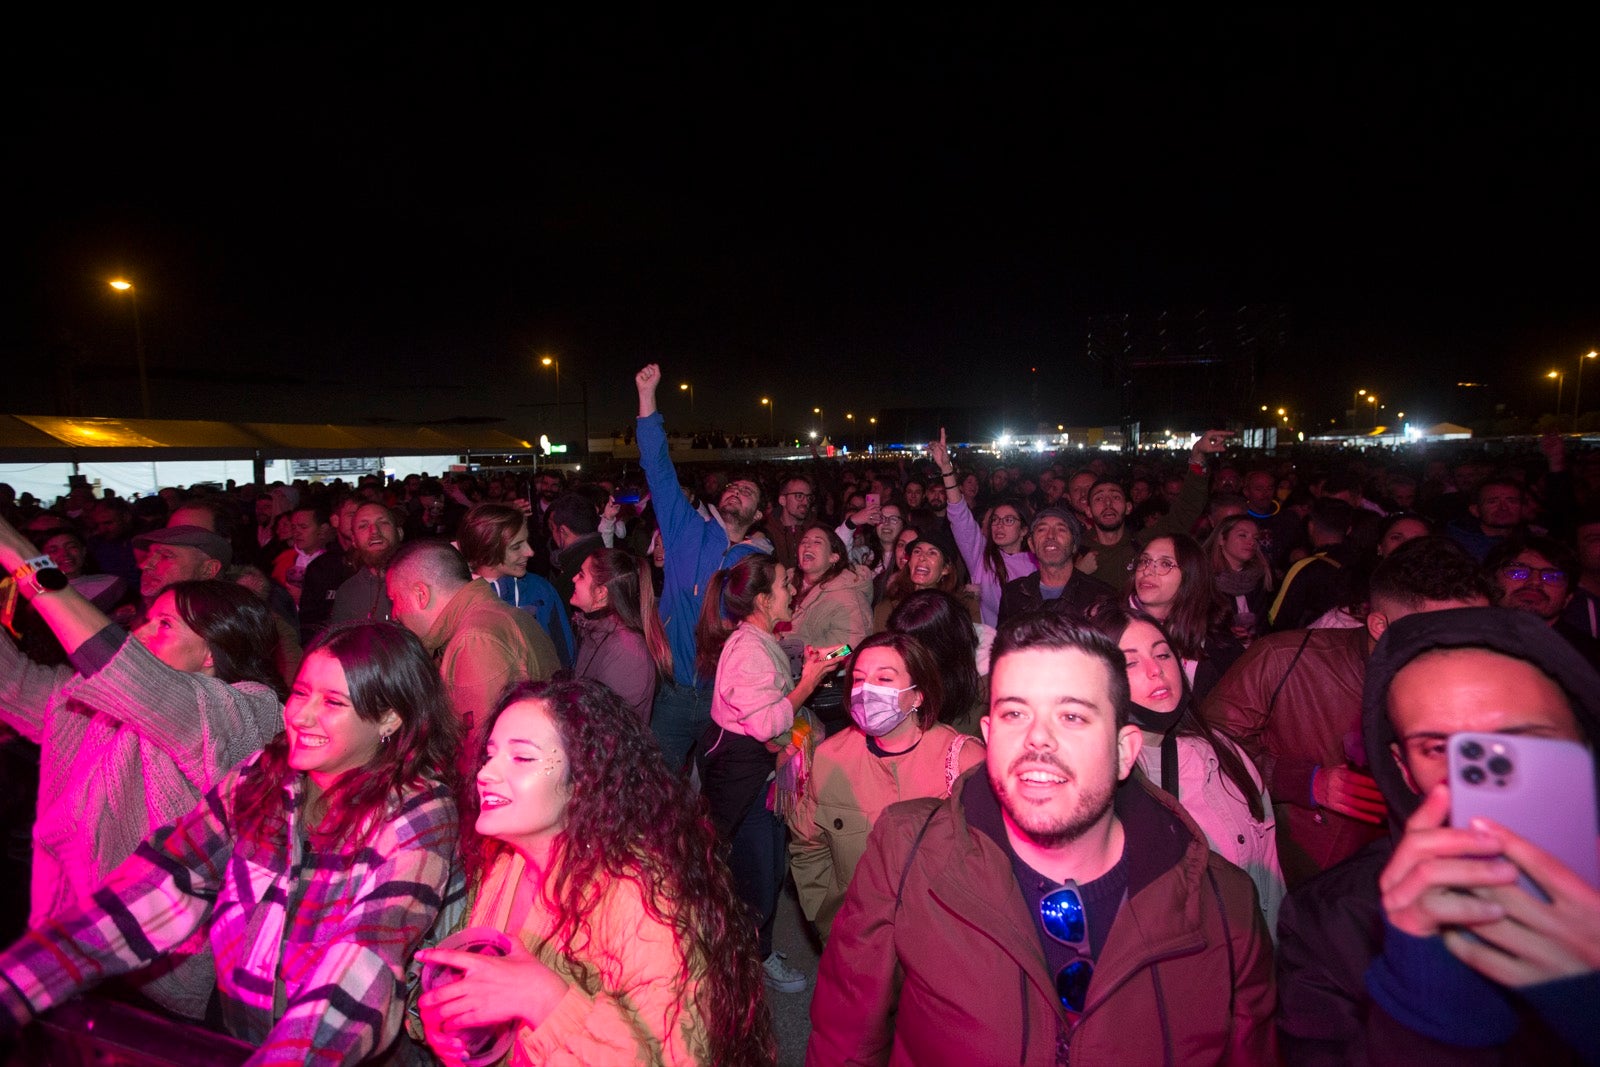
(1541, 790)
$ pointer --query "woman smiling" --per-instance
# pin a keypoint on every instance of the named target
(315, 867)
(628, 944)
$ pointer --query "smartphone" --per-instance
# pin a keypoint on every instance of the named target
(839, 653)
(872, 500)
(1540, 789)
(627, 496)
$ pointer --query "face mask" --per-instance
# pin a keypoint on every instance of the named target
(1160, 722)
(876, 708)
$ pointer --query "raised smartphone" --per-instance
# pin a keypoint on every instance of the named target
(872, 500)
(1540, 789)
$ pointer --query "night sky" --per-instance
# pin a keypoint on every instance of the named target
(380, 216)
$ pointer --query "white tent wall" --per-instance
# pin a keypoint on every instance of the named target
(45, 481)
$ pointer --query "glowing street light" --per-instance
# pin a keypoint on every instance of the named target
(555, 364)
(1577, 389)
(767, 403)
(122, 285)
(1561, 380)
(687, 387)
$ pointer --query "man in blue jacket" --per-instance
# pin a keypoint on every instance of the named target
(696, 548)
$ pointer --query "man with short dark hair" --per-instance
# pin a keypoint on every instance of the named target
(1311, 587)
(1293, 703)
(1111, 546)
(1495, 514)
(574, 526)
(696, 547)
(1539, 574)
(795, 499)
(1039, 908)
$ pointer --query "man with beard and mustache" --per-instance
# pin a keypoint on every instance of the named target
(375, 538)
(1112, 546)
(696, 547)
(1051, 903)
(1540, 574)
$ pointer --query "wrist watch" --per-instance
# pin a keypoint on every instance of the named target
(44, 574)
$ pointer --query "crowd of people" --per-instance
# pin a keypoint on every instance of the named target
(1089, 758)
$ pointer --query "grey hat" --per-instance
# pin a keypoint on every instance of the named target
(189, 537)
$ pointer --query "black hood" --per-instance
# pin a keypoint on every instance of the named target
(1505, 630)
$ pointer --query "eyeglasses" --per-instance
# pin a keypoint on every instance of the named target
(1005, 520)
(799, 496)
(1062, 916)
(1160, 566)
(1521, 572)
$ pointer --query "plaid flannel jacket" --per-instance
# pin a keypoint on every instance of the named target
(340, 951)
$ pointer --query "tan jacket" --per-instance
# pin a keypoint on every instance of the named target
(483, 647)
(848, 789)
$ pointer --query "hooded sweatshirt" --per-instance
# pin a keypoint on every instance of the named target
(1346, 979)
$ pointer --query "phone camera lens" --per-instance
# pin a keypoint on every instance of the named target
(1473, 775)
(1471, 750)
(1499, 766)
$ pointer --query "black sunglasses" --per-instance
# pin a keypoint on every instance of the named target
(1061, 913)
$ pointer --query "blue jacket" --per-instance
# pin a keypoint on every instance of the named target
(538, 598)
(696, 548)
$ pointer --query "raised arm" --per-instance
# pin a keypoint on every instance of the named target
(70, 616)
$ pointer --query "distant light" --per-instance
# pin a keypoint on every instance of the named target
(813, 435)
(684, 387)
(1399, 414)
(547, 361)
(1280, 411)
(1060, 428)
(1005, 439)
(1592, 355)
(121, 286)
(1301, 435)
(1553, 374)
(1263, 407)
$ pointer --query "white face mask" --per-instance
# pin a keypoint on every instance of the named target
(876, 708)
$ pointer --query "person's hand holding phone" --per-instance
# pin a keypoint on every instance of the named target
(1423, 881)
(1535, 941)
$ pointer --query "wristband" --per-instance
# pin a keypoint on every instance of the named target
(44, 574)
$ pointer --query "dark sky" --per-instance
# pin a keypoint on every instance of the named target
(377, 215)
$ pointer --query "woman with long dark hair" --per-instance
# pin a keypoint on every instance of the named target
(134, 731)
(895, 749)
(753, 704)
(315, 867)
(1172, 582)
(628, 943)
(1214, 781)
(621, 643)
(942, 625)
(494, 540)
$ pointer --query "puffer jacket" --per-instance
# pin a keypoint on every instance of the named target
(935, 959)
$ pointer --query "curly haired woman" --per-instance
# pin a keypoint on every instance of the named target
(628, 944)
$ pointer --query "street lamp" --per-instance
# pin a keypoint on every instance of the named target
(821, 422)
(872, 420)
(1372, 398)
(767, 403)
(1355, 407)
(122, 285)
(1577, 389)
(686, 387)
(1561, 380)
